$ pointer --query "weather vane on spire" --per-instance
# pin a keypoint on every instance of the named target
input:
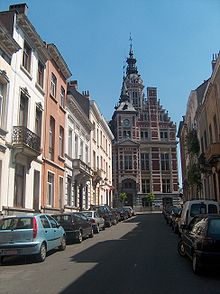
(131, 49)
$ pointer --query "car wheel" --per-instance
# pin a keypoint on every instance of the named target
(195, 264)
(91, 235)
(41, 256)
(181, 248)
(103, 228)
(2, 260)
(62, 246)
(79, 237)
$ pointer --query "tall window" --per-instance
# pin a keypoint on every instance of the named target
(50, 189)
(53, 85)
(81, 150)
(166, 186)
(23, 113)
(19, 189)
(164, 135)
(2, 102)
(128, 161)
(70, 142)
(145, 161)
(94, 160)
(61, 142)
(40, 74)
(144, 135)
(93, 135)
(69, 191)
(51, 138)
(126, 134)
(38, 120)
(145, 185)
(76, 146)
(61, 202)
(165, 162)
(86, 155)
(62, 97)
(26, 57)
(215, 128)
(210, 134)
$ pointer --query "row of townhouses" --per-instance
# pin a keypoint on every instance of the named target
(199, 134)
(55, 145)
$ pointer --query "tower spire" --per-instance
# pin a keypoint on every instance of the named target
(131, 61)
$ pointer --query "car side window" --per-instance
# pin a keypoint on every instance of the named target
(52, 222)
(84, 217)
(44, 221)
(77, 218)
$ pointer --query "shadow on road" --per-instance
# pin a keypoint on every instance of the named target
(143, 261)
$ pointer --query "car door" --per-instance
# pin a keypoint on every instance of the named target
(86, 225)
(56, 230)
(189, 234)
(48, 232)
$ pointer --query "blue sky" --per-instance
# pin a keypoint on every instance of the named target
(173, 42)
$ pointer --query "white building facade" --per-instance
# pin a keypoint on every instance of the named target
(23, 161)
(101, 158)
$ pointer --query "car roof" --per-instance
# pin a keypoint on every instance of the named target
(210, 215)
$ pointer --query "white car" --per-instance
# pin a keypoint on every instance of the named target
(98, 223)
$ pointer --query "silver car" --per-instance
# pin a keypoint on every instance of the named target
(98, 223)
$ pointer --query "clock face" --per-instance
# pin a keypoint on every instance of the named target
(126, 122)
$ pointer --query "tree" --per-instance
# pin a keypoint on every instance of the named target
(148, 199)
(122, 197)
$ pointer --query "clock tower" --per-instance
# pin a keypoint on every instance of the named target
(144, 148)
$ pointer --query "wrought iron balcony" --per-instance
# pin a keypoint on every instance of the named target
(29, 142)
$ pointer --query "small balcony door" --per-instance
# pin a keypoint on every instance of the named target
(23, 113)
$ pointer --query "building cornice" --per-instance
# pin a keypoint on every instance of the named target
(8, 44)
(31, 33)
(100, 118)
(58, 59)
(76, 109)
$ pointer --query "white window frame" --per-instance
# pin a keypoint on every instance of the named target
(50, 189)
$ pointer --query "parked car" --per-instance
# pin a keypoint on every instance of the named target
(76, 225)
(30, 235)
(195, 207)
(200, 241)
(106, 213)
(176, 222)
(174, 212)
(122, 213)
(129, 211)
(98, 222)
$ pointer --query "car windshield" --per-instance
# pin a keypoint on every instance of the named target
(214, 227)
(198, 208)
(87, 213)
(16, 223)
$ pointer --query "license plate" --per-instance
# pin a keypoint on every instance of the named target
(8, 252)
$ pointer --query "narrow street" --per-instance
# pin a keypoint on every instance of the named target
(136, 256)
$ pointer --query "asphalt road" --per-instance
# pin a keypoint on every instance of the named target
(133, 257)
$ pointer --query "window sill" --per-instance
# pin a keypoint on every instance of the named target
(61, 158)
(40, 89)
(53, 98)
(62, 109)
(26, 72)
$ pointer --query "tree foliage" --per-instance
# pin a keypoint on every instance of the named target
(192, 142)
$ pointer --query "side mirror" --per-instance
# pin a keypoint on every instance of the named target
(184, 227)
(58, 225)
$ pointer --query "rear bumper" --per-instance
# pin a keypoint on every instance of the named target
(209, 257)
(19, 249)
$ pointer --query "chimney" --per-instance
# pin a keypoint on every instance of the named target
(86, 94)
(73, 84)
(214, 60)
(20, 8)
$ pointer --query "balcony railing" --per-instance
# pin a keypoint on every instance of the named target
(82, 167)
(23, 137)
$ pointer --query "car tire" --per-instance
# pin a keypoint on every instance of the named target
(181, 248)
(62, 246)
(1, 260)
(195, 264)
(41, 256)
(91, 235)
(103, 228)
(79, 237)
